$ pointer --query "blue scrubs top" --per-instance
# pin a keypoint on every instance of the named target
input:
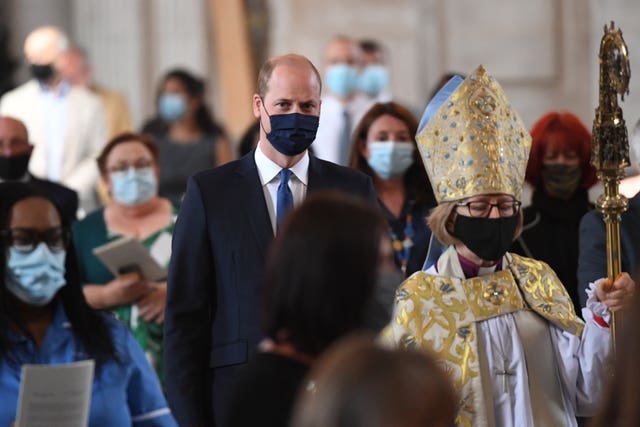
(125, 392)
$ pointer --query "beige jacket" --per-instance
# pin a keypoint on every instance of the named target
(85, 136)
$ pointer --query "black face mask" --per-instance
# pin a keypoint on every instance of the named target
(561, 181)
(489, 238)
(42, 73)
(14, 167)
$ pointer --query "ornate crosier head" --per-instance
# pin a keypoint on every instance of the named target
(614, 57)
(610, 146)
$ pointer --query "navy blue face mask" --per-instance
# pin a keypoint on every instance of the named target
(291, 133)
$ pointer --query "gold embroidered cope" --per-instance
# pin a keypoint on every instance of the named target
(440, 314)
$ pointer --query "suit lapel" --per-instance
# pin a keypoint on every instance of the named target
(316, 180)
(253, 196)
(255, 206)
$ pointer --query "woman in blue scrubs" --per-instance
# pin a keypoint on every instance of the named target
(44, 319)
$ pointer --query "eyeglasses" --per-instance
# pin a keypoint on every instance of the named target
(479, 209)
(25, 240)
(124, 167)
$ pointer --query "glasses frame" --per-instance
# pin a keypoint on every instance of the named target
(37, 237)
(516, 205)
(137, 165)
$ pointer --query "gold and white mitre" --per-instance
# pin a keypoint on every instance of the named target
(472, 141)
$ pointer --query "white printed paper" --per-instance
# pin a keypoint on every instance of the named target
(55, 395)
(161, 249)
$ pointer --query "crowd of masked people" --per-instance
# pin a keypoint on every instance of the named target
(358, 262)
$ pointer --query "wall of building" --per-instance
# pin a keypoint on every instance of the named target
(544, 52)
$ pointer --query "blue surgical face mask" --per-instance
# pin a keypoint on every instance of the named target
(134, 186)
(172, 107)
(390, 159)
(35, 277)
(291, 133)
(341, 79)
(373, 79)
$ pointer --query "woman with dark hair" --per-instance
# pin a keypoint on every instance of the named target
(45, 319)
(384, 148)
(129, 167)
(188, 138)
(320, 275)
(560, 172)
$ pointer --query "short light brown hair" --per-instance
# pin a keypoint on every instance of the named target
(440, 222)
(290, 59)
(121, 139)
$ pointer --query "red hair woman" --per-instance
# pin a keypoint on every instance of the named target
(560, 172)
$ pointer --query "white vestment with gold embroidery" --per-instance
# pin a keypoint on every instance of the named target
(474, 333)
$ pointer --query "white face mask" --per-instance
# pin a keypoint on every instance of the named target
(35, 277)
(134, 186)
(390, 159)
(341, 79)
(373, 79)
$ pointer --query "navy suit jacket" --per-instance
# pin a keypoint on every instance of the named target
(220, 241)
(592, 261)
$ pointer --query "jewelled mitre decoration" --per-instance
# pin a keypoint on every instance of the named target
(472, 141)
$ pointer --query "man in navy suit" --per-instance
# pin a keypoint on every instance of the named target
(592, 258)
(227, 221)
(15, 152)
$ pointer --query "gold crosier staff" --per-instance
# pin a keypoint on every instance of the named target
(610, 145)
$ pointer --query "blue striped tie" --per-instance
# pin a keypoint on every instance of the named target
(285, 197)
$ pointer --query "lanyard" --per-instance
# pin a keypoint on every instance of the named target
(402, 244)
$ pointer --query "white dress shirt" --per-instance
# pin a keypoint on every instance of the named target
(328, 138)
(269, 173)
(83, 140)
(54, 104)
